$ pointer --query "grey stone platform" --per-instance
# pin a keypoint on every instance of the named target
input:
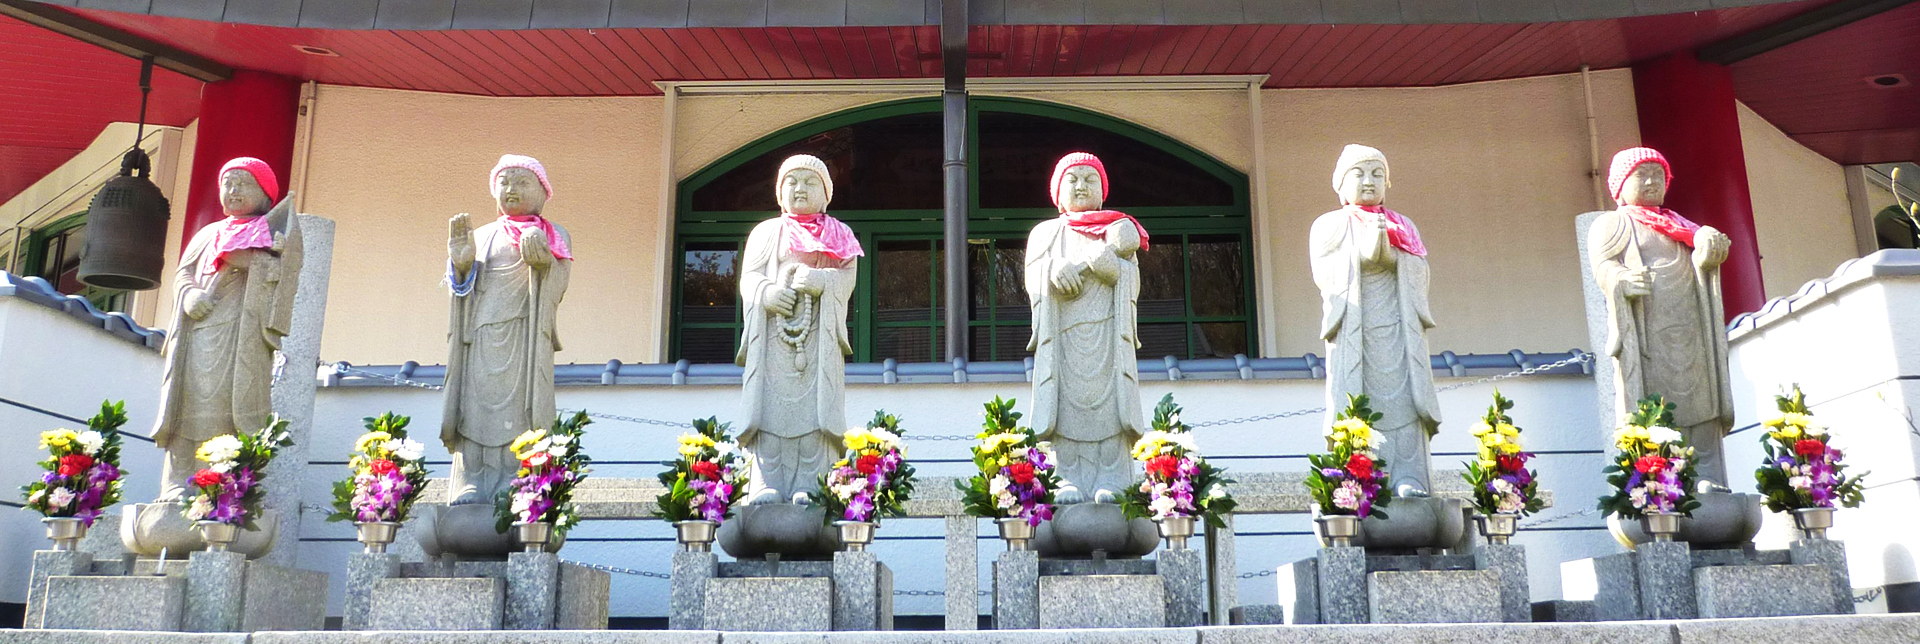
(1349, 585)
(210, 592)
(1169, 590)
(853, 592)
(527, 592)
(1673, 581)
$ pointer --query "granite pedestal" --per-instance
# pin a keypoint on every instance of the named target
(1349, 585)
(211, 592)
(528, 591)
(853, 592)
(1670, 580)
(1169, 590)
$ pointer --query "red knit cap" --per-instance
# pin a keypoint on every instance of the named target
(262, 174)
(524, 162)
(1626, 161)
(1074, 159)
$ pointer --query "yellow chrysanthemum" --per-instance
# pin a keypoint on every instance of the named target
(370, 439)
(58, 438)
(692, 444)
(1631, 437)
(530, 437)
(858, 438)
(1508, 430)
(1510, 448)
(1486, 454)
(1787, 433)
(1486, 463)
(1481, 428)
(1777, 421)
(1797, 419)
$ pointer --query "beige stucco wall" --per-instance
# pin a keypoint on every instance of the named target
(1800, 209)
(1493, 173)
(390, 167)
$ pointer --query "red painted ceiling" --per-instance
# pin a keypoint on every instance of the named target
(56, 93)
(1814, 90)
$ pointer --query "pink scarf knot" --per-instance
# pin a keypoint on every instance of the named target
(1665, 222)
(819, 233)
(517, 226)
(1094, 223)
(1400, 232)
(237, 233)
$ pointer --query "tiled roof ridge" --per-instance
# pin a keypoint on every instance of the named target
(1892, 262)
(38, 291)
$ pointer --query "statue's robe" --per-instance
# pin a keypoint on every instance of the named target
(501, 339)
(218, 377)
(1671, 342)
(1086, 382)
(795, 378)
(1374, 320)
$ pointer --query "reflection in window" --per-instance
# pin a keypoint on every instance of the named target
(709, 301)
(890, 163)
(59, 247)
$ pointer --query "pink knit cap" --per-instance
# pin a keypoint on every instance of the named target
(518, 161)
(1074, 159)
(1626, 161)
(262, 174)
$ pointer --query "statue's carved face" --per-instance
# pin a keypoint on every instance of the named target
(1080, 189)
(241, 195)
(517, 192)
(1364, 184)
(1646, 186)
(803, 192)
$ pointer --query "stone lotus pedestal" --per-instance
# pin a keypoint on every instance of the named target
(852, 592)
(1404, 573)
(527, 591)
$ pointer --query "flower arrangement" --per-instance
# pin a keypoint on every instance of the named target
(1178, 482)
(874, 479)
(1347, 480)
(1801, 470)
(228, 489)
(707, 480)
(1653, 471)
(551, 466)
(388, 473)
(1015, 478)
(1501, 482)
(83, 468)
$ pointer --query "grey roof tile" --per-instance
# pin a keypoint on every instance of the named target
(1046, 12)
(560, 14)
(1419, 12)
(986, 12)
(492, 14)
(339, 14)
(195, 9)
(649, 13)
(1366, 12)
(126, 6)
(1658, 7)
(414, 14)
(1288, 12)
(276, 13)
(879, 13)
(807, 13)
(1516, 11)
(727, 13)
(1204, 12)
(1593, 9)
(1126, 12)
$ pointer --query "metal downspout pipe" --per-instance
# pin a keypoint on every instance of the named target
(953, 55)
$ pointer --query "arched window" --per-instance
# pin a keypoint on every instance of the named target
(53, 253)
(1196, 292)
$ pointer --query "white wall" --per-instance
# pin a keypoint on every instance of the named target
(57, 363)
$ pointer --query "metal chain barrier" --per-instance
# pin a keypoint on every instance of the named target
(624, 571)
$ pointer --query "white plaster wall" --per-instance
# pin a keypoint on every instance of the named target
(1857, 357)
(57, 363)
(1800, 209)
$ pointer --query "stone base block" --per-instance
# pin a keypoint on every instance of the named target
(1183, 573)
(862, 593)
(441, 604)
(363, 570)
(1299, 585)
(116, 603)
(1762, 591)
(1102, 601)
(584, 597)
(1665, 573)
(1437, 596)
(1616, 585)
(1016, 590)
(1831, 555)
(278, 598)
(1342, 582)
(1257, 615)
(1563, 610)
(769, 604)
(50, 563)
(1509, 562)
(687, 601)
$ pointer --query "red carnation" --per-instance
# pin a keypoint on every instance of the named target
(1164, 465)
(1021, 473)
(867, 463)
(1360, 466)
(1650, 464)
(75, 464)
(380, 467)
(1510, 463)
(705, 469)
(207, 478)
(1805, 447)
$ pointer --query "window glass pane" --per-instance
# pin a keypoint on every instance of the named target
(1219, 339)
(1163, 288)
(1017, 153)
(710, 282)
(1161, 340)
(905, 344)
(903, 284)
(1010, 298)
(1219, 279)
(891, 163)
(708, 346)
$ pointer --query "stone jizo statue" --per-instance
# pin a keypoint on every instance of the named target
(1083, 282)
(508, 277)
(1660, 274)
(795, 278)
(1371, 267)
(233, 303)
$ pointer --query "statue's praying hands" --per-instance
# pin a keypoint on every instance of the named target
(460, 247)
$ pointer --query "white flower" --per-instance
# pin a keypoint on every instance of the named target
(521, 503)
(1638, 496)
(1812, 429)
(1346, 497)
(544, 445)
(1663, 435)
(59, 498)
(888, 440)
(1003, 500)
(202, 506)
(220, 448)
(1184, 440)
(996, 486)
(406, 449)
(222, 467)
(1510, 503)
(560, 439)
(563, 521)
(1800, 482)
(1162, 507)
(34, 499)
(91, 442)
(1502, 486)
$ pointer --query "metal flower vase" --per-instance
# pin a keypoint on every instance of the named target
(1017, 532)
(1661, 525)
(1813, 522)
(65, 532)
(1498, 527)
(533, 535)
(1176, 530)
(218, 535)
(375, 535)
(696, 535)
(1338, 530)
(856, 534)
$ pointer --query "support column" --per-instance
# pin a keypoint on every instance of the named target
(252, 114)
(1687, 112)
(953, 98)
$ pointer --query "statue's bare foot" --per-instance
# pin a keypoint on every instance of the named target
(766, 496)
(1104, 495)
(171, 494)
(802, 498)
(1068, 495)
(469, 495)
(1409, 490)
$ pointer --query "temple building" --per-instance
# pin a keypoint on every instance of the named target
(661, 125)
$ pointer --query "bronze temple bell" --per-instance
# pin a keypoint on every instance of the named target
(126, 230)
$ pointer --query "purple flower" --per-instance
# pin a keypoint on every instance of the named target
(860, 507)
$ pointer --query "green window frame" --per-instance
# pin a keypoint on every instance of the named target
(47, 245)
(1170, 226)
